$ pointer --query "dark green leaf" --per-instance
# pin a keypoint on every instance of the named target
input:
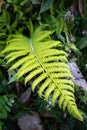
(7, 109)
(73, 47)
(35, 1)
(83, 43)
(45, 5)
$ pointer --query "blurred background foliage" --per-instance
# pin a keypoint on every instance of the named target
(68, 21)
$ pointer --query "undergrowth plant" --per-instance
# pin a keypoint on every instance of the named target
(5, 108)
(40, 59)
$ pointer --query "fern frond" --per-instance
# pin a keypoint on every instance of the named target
(55, 96)
(18, 53)
(44, 86)
(21, 61)
(43, 46)
(54, 58)
(49, 90)
(33, 74)
(41, 59)
(40, 35)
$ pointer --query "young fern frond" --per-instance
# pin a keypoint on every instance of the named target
(41, 59)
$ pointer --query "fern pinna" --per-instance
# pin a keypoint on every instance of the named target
(40, 58)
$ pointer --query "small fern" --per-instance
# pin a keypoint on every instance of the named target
(40, 58)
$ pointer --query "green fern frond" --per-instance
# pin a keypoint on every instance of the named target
(41, 59)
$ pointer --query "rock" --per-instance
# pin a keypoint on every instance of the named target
(84, 33)
(25, 97)
(78, 77)
(30, 122)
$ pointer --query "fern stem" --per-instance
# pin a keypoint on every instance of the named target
(31, 45)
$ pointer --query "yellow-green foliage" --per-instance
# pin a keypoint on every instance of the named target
(40, 58)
